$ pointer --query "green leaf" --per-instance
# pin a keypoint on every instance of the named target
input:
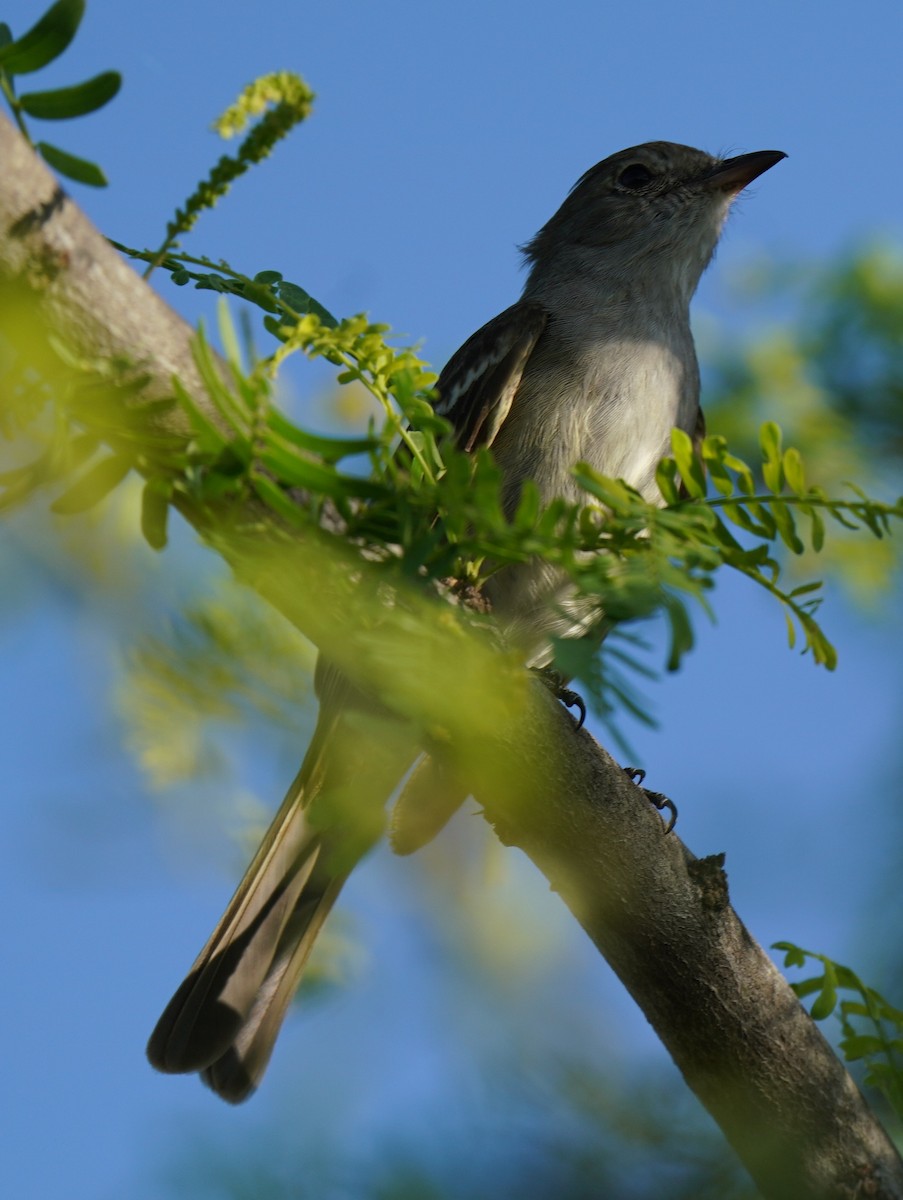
(229, 337)
(793, 470)
(295, 471)
(772, 467)
(6, 34)
(155, 511)
(666, 479)
(528, 507)
(846, 978)
(332, 449)
(804, 589)
(791, 630)
(258, 293)
(45, 41)
(724, 537)
(302, 302)
(93, 486)
(613, 492)
(715, 452)
(807, 987)
(75, 101)
(738, 515)
(229, 406)
(839, 517)
(770, 440)
(277, 328)
(773, 475)
(825, 1004)
(681, 631)
(72, 167)
(818, 529)
(273, 496)
(860, 1046)
(854, 1008)
(786, 527)
(207, 437)
(720, 477)
(691, 472)
(822, 650)
(793, 955)
(888, 1011)
(213, 283)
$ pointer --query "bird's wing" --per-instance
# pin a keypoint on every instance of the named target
(479, 382)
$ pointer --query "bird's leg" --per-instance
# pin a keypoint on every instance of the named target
(637, 775)
(556, 684)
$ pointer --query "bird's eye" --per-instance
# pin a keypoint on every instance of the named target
(635, 176)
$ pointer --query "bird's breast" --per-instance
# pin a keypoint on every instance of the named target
(611, 404)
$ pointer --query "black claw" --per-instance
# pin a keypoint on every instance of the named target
(637, 775)
(571, 699)
(556, 685)
(661, 803)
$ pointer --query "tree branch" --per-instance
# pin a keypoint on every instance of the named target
(662, 920)
(660, 916)
(86, 288)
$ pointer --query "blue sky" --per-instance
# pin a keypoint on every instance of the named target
(443, 136)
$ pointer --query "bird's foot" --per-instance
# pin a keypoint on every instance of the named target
(662, 803)
(555, 682)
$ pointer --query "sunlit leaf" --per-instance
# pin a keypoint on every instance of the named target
(666, 480)
(155, 498)
(793, 470)
(770, 440)
(691, 472)
(331, 449)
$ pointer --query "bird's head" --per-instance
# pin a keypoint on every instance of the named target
(658, 202)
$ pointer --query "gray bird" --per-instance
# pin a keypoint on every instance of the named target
(595, 363)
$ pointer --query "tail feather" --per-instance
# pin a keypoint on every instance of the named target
(236, 1074)
(211, 1006)
(225, 1017)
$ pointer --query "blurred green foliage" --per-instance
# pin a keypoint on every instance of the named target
(872, 1027)
(821, 354)
(209, 668)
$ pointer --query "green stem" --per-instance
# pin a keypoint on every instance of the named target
(13, 102)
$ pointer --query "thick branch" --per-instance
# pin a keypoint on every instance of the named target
(659, 916)
(662, 920)
(86, 288)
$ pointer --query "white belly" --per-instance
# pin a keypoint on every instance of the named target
(614, 411)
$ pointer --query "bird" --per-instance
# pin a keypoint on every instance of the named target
(594, 363)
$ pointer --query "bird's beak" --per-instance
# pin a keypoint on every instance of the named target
(733, 174)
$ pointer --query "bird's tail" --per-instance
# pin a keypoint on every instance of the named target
(224, 1019)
